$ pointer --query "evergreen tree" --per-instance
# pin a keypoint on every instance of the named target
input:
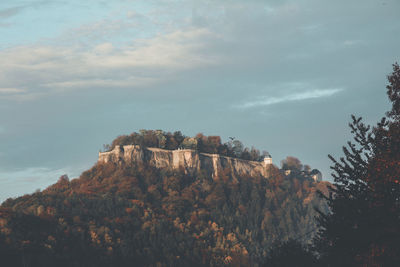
(363, 226)
(289, 254)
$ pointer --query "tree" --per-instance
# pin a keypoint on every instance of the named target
(290, 253)
(237, 148)
(291, 163)
(363, 226)
(255, 154)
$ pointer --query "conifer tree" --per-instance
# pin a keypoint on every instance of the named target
(290, 253)
(363, 226)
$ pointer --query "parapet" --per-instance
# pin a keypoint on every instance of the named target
(267, 160)
(190, 160)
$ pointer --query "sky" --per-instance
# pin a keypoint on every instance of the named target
(282, 76)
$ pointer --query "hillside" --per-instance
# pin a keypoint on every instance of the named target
(132, 213)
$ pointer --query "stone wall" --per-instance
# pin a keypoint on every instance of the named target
(189, 160)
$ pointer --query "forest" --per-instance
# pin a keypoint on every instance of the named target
(137, 215)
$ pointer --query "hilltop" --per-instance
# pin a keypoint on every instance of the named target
(201, 143)
(198, 153)
(123, 212)
(188, 160)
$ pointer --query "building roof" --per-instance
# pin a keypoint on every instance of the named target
(267, 155)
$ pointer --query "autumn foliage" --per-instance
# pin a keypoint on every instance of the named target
(201, 143)
(137, 215)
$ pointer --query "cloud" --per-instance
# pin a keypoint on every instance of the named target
(101, 30)
(14, 183)
(225, 34)
(11, 91)
(15, 10)
(311, 94)
(31, 174)
(9, 12)
(353, 43)
(42, 70)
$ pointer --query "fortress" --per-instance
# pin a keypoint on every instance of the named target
(191, 161)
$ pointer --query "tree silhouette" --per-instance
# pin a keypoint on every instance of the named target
(363, 226)
(290, 253)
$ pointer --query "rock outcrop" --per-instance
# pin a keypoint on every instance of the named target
(191, 161)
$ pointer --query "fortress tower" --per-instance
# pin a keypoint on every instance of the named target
(267, 160)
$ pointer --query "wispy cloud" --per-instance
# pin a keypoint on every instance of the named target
(15, 10)
(9, 12)
(47, 69)
(11, 90)
(18, 182)
(311, 94)
(31, 174)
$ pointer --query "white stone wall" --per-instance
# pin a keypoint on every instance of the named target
(188, 159)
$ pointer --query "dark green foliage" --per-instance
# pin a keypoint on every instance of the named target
(290, 254)
(363, 227)
(130, 215)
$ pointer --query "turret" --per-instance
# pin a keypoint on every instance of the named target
(267, 160)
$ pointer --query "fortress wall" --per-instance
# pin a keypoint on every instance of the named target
(190, 160)
(110, 156)
(240, 166)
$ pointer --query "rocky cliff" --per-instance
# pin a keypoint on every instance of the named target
(189, 160)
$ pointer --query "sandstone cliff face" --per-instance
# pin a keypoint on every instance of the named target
(189, 160)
